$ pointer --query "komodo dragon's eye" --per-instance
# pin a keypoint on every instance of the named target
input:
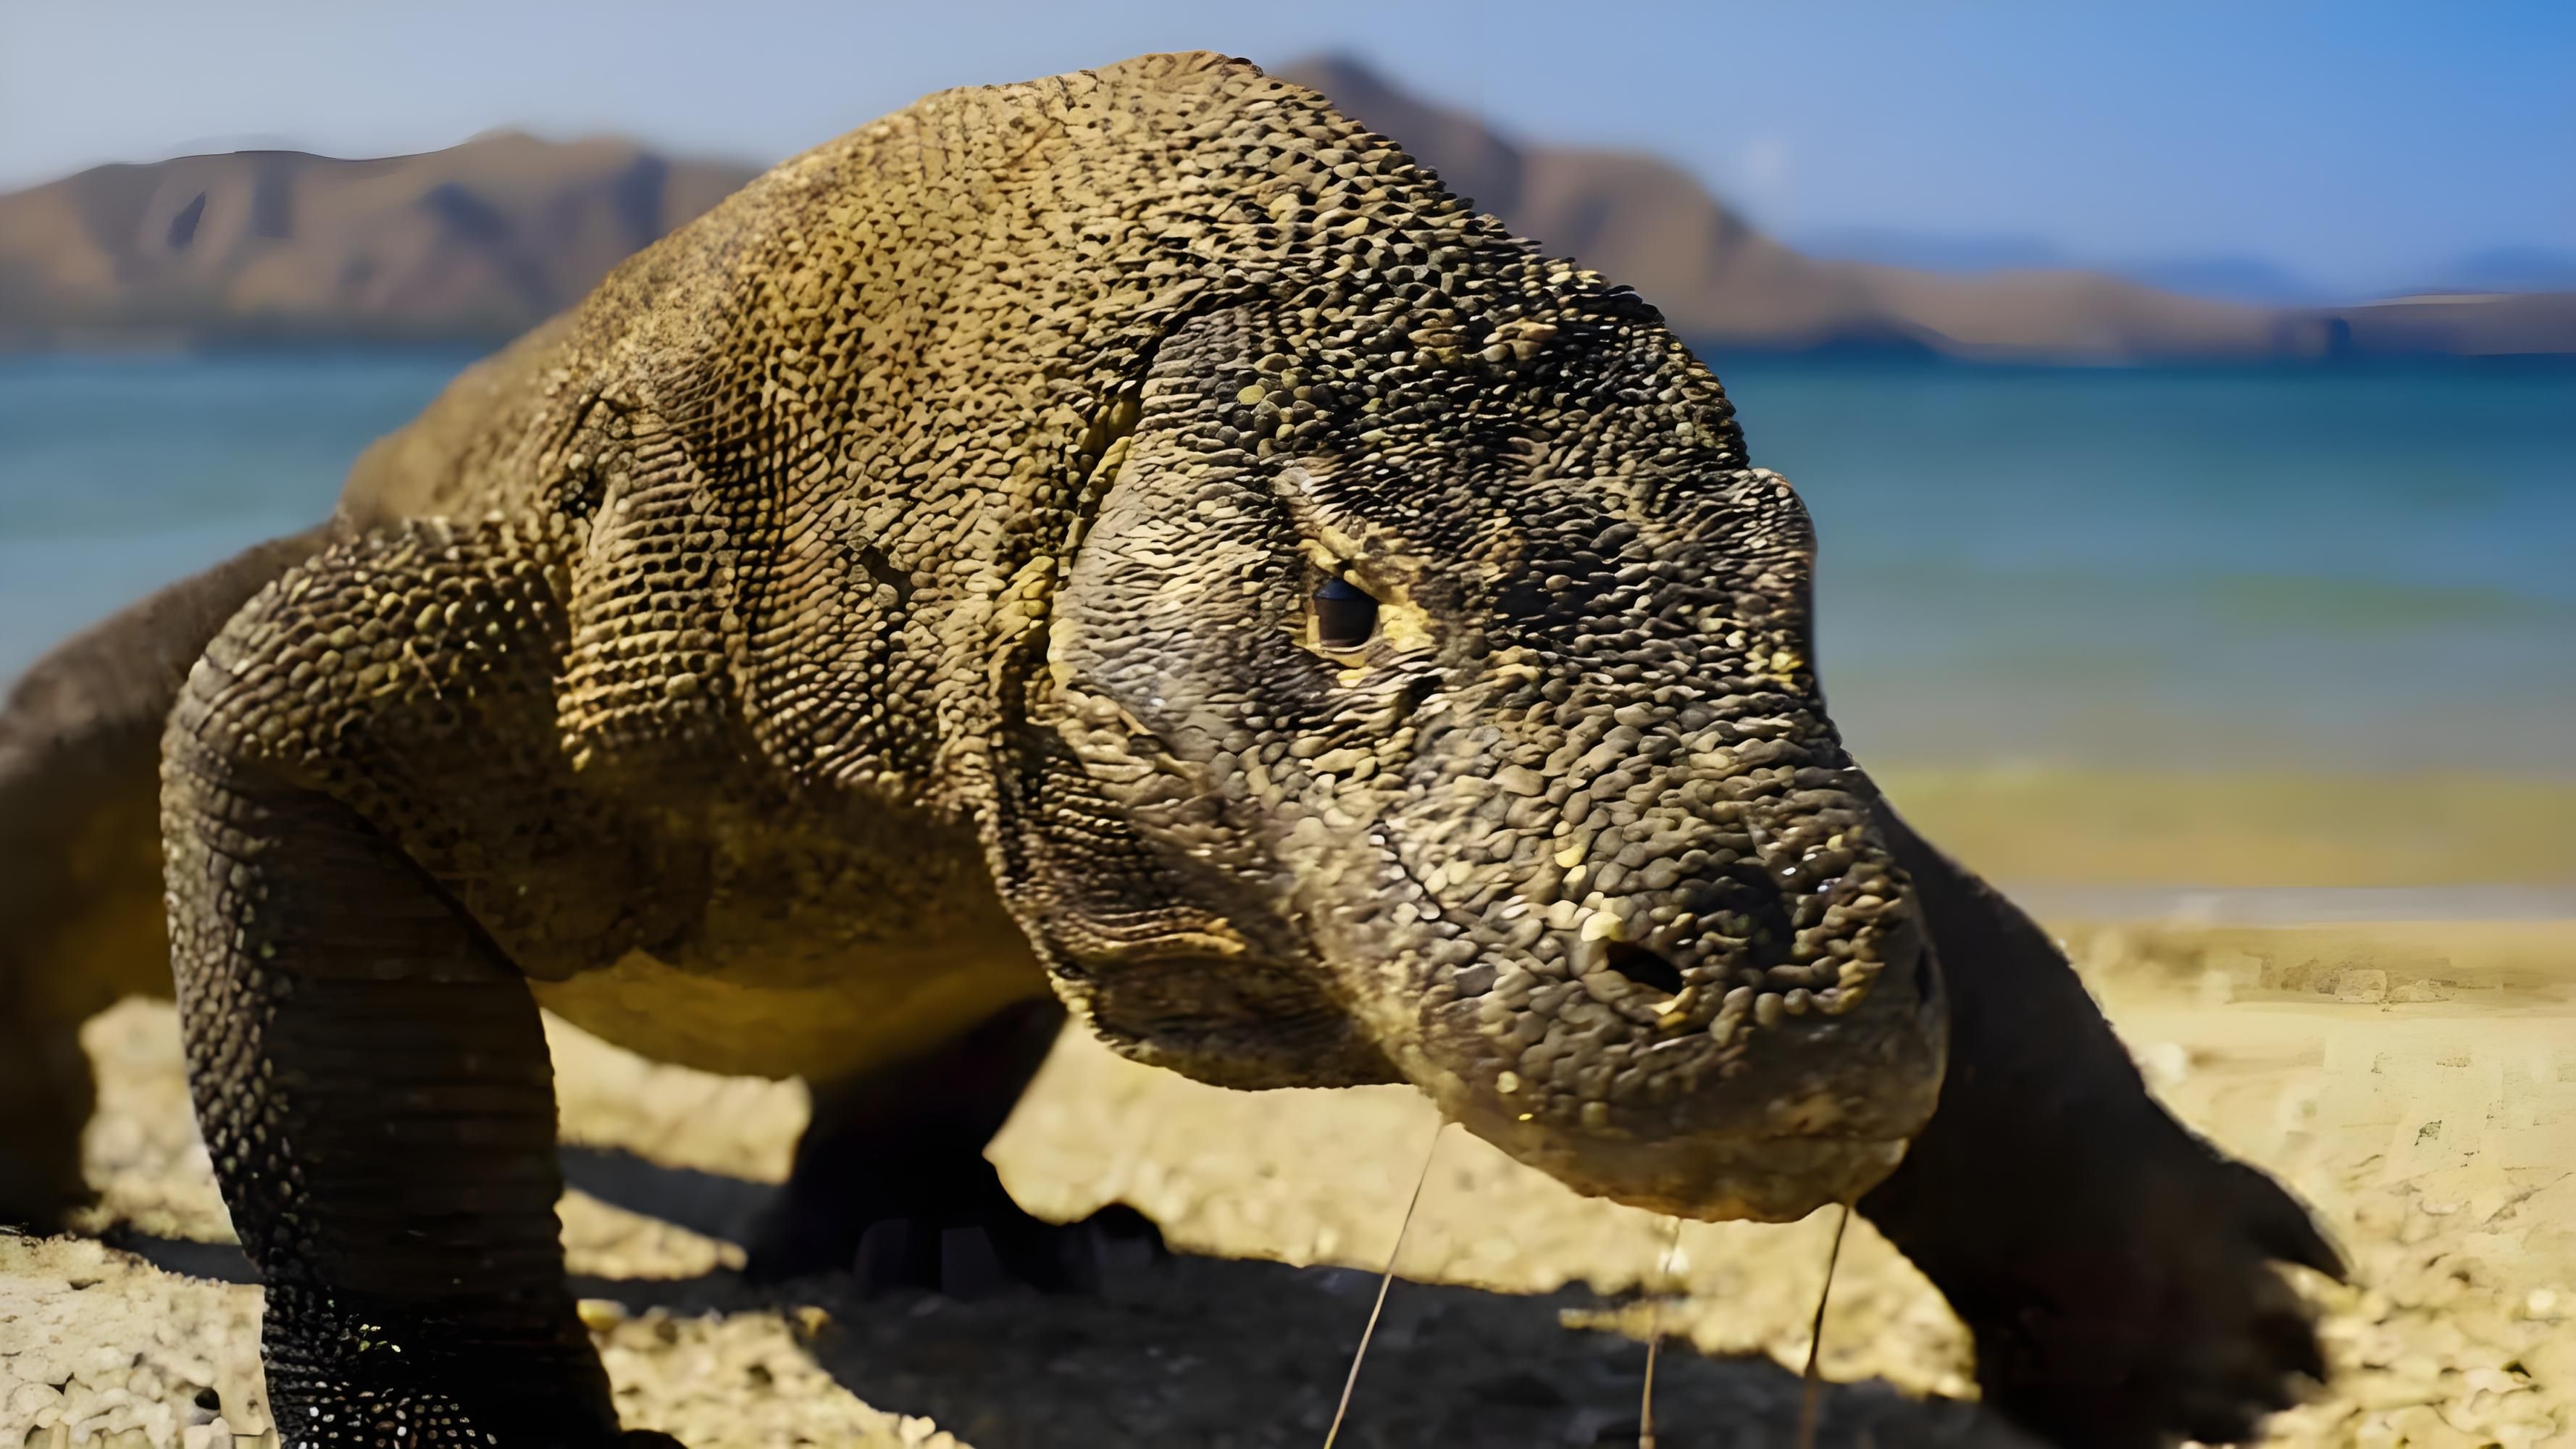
(1345, 615)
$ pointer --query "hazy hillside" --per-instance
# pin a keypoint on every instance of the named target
(482, 239)
(486, 238)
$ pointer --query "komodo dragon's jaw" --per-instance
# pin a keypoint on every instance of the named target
(1466, 726)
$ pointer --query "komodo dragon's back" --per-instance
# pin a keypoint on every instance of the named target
(1130, 545)
(80, 918)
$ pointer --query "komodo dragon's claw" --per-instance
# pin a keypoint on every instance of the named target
(996, 1248)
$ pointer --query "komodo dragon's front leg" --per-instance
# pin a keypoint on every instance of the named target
(369, 1071)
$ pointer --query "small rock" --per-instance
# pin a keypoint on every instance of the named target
(601, 1314)
(2378, 1392)
(2551, 1363)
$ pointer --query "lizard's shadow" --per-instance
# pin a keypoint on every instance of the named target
(1206, 1351)
(1244, 1354)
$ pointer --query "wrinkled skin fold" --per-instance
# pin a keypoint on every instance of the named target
(1129, 544)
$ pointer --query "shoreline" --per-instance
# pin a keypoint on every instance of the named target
(2145, 836)
(2295, 906)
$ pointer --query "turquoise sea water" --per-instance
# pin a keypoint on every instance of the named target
(2362, 567)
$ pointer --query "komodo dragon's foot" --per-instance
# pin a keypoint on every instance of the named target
(2119, 1290)
(427, 1418)
(2116, 1271)
(891, 1183)
(967, 1250)
(377, 1374)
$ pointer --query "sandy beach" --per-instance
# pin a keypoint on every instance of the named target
(2415, 1081)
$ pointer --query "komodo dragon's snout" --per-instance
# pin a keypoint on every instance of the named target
(1469, 725)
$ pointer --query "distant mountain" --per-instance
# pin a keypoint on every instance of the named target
(2512, 269)
(484, 239)
(2254, 280)
(1934, 251)
(479, 240)
(2230, 279)
(2462, 324)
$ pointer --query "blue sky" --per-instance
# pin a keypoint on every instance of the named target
(2363, 145)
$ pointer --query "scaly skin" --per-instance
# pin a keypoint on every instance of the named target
(931, 579)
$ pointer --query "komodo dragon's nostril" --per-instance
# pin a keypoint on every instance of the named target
(1643, 967)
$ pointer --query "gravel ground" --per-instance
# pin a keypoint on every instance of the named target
(2416, 1084)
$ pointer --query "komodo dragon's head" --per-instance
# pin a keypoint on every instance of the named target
(1457, 721)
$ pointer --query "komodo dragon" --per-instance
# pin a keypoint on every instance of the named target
(1129, 544)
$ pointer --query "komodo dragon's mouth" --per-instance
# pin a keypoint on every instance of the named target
(1710, 1177)
(1810, 1118)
